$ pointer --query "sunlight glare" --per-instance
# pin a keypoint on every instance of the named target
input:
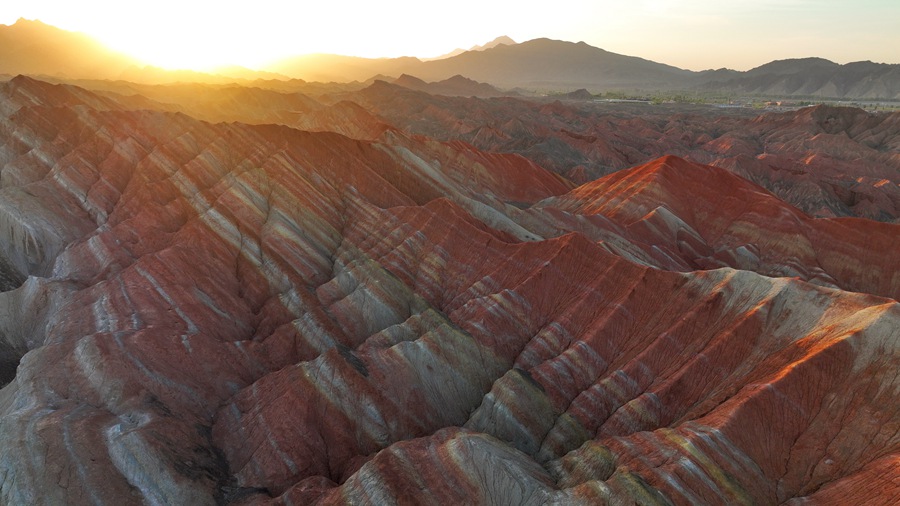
(192, 37)
(699, 34)
(202, 35)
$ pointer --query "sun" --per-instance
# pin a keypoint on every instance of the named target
(194, 36)
(182, 34)
(195, 50)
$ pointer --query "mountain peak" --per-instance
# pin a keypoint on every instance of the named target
(792, 65)
(409, 81)
(25, 24)
(457, 85)
(502, 40)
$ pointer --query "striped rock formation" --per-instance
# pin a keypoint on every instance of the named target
(233, 314)
(828, 161)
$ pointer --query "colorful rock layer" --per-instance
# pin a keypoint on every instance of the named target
(225, 313)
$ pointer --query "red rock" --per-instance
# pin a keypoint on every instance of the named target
(228, 313)
(853, 150)
(728, 221)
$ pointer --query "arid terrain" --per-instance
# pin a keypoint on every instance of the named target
(828, 161)
(528, 273)
(332, 294)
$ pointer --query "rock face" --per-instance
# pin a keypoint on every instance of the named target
(685, 216)
(253, 314)
(828, 161)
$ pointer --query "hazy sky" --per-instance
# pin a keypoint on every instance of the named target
(694, 34)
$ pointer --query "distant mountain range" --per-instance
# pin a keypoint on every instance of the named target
(501, 40)
(456, 86)
(814, 77)
(535, 64)
(32, 47)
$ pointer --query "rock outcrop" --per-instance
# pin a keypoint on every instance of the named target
(253, 314)
(687, 216)
(828, 161)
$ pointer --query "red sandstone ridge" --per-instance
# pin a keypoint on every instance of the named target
(827, 161)
(708, 217)
(257, 315)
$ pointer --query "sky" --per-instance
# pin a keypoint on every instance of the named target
(691, 34)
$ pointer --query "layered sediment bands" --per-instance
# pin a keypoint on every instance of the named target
(225, 313)
(702, 217)
(827, 161)
(622, 354)
(211, 239)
